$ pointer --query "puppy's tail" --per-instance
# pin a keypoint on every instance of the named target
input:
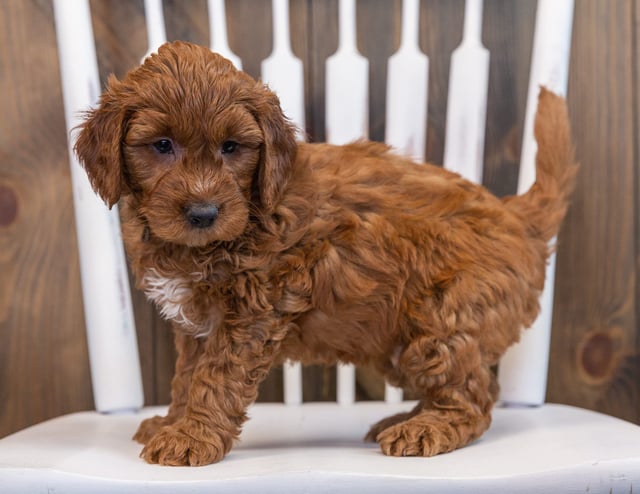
(544, 205)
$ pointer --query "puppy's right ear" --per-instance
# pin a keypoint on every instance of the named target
(99, 146)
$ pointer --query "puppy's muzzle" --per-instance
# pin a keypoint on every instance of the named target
(201, 215)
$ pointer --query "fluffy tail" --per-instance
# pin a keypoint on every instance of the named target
(544, 205)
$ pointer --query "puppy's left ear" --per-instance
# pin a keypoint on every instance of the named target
(278, 151)
(98, 146)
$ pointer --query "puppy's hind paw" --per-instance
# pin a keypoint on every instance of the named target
(420, 436)
(384, 424)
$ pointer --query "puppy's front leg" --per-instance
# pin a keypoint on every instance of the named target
(223, 384)
(188, 349)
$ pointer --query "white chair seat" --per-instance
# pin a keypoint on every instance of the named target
(318, 448)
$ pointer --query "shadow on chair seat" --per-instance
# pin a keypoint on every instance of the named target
(318, 448)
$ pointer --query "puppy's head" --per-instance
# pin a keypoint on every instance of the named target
(196, 142)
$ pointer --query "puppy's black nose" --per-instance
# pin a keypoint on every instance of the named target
(201, 215)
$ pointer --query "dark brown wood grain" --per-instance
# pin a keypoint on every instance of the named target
(594, 342)
(508, 35)
(595, 351)
(44, 368)
(438, 43)
(323, 42)
(634, 362)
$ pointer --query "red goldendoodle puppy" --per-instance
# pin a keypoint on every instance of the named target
(261, 249)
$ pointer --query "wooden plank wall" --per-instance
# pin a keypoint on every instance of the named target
(595, 354)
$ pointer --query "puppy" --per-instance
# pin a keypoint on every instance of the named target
(261, 249)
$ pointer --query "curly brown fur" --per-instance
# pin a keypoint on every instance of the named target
(260, 249)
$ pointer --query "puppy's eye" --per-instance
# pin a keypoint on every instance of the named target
(163, 146)
(229, 147)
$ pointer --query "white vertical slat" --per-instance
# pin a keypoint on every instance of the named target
(347, 119)
(407, 82)
(346, 385)
(292, 382)
(406, 109)
(154, 18)
(111, 334)
(218, 32)
(467, 101)
(392, 394)
(283, 71)
(347, 83)
(523, 369)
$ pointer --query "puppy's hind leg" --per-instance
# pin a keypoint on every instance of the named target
(458, 392)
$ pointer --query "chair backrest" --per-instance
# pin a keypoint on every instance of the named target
(111, 334)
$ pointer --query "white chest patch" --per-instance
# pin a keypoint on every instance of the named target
(171, 296)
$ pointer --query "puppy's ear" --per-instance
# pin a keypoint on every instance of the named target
(99, 145)
(278, 152)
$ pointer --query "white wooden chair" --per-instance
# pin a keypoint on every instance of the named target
(317, 447)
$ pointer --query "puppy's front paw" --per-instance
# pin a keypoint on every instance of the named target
(149, 428)
(171, 446)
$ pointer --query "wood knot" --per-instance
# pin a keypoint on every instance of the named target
(8, 206)
(598, 355)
